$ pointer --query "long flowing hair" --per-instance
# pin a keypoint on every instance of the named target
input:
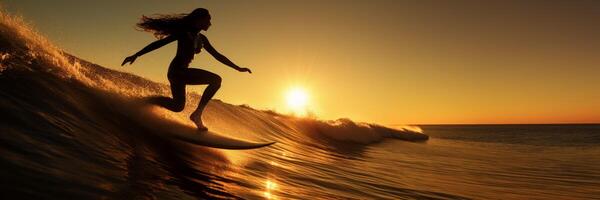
(162, 25)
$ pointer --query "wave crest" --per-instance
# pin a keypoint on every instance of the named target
(23, 50)
(346, 130)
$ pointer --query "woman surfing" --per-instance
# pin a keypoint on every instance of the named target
(185, 29)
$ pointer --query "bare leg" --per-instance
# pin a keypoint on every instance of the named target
(209, 92)
(196, 77)
(175, 104)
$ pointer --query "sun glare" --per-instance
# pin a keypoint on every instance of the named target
(297, 100)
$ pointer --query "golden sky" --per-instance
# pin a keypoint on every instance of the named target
(382, 61)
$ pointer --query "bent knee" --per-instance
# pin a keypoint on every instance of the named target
(178, 106)
(217, 81)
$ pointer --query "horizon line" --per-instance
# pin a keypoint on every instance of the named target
(493, 124)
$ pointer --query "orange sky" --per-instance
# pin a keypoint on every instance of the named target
(383, 61)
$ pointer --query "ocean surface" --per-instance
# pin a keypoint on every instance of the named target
(70, 129)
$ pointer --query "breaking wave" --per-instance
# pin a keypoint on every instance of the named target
(67, 122)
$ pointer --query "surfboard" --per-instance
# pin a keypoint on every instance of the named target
(216, 140)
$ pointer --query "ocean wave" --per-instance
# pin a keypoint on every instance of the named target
(69, 123)
(24, 49)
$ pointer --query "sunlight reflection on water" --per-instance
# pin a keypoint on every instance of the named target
(270, 187)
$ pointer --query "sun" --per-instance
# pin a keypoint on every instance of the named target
(297, 100)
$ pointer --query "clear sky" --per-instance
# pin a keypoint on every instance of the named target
(383, 61)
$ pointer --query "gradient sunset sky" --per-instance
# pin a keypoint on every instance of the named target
(382, 61)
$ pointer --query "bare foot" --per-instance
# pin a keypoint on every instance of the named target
(196, 118)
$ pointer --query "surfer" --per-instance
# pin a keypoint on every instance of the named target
(185, 29)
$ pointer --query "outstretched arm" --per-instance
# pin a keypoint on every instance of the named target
(220, 57)
(151, 47)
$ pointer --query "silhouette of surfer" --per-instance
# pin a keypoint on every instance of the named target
(185, 29)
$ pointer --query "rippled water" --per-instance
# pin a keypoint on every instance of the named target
(442, 168)
(70, 129)
(457, 162)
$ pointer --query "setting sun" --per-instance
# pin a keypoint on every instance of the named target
(297, 100)
(276, 100)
